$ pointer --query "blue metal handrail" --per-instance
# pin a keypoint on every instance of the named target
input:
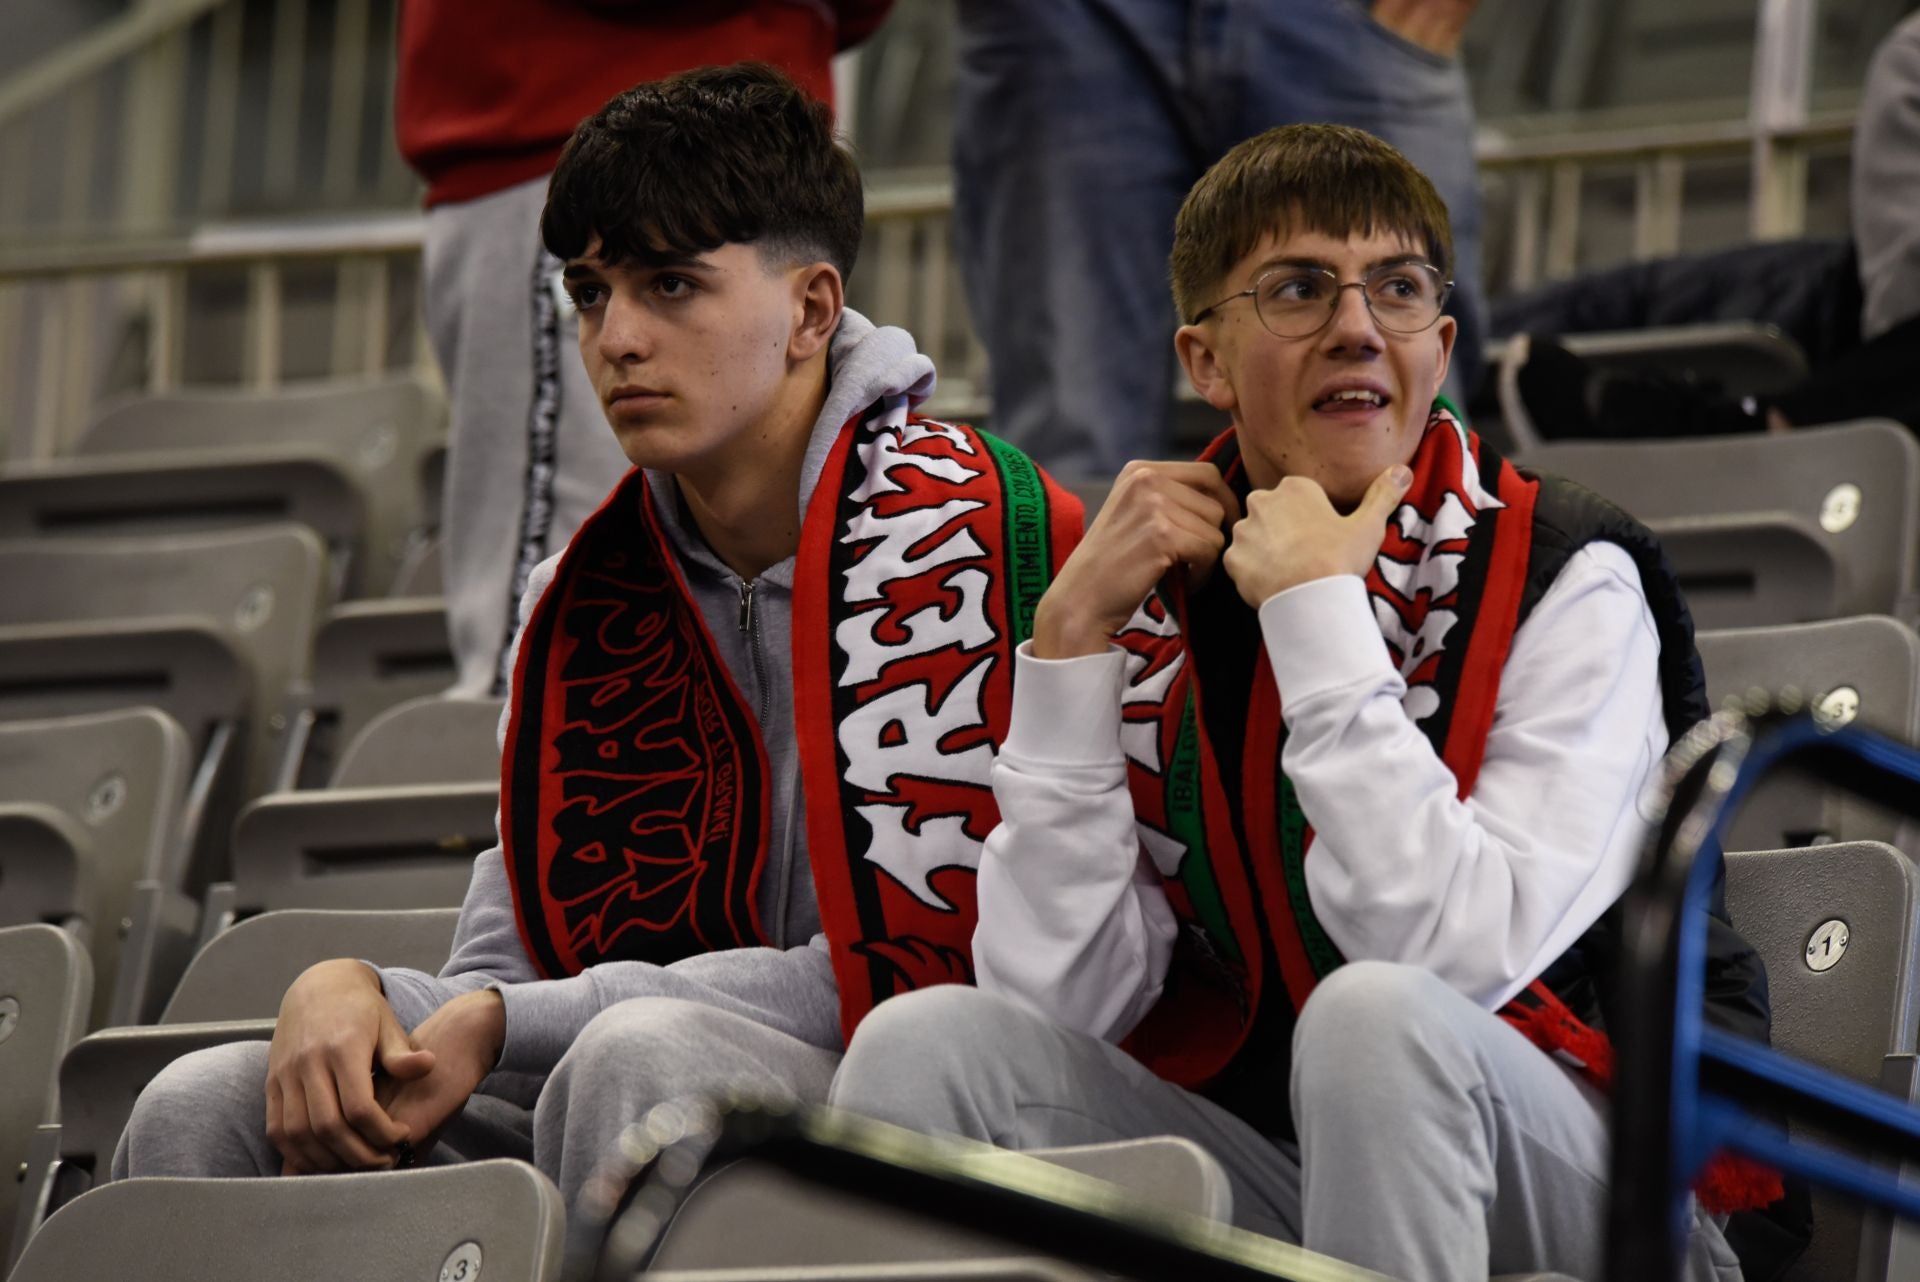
(1684, 1091)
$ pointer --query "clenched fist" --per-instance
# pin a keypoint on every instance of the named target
(1292, 535)
(1159, 515)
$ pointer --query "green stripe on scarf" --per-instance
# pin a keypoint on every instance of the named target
(1029, 552)
(1321, 954)
(1187, 820)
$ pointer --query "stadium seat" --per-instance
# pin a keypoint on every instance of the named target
(1866, 667)
(46, 985)
(423, 741)
(782, 1196)
(367, 657)
(1751, 521)
(89, 806)
(1839, 929)
(230, 993)
(128, 496)
(500, 1221)
(1738, 357)
(100, 623)
(242, 973)
(752, 1215)
(380, 432)
(402, 847)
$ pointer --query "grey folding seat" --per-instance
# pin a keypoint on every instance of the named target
(46, 985)
(131, 496)
(431, 740)
(1740, 357)
(210, 627)
(368, 656)
(230, 993)
(751, 1215)
(412, 801)
(1818, 523)
(91, 807)
(749, 1220)
(391, 847)
(1867, 668)
(1839, 929)
(501, 1221)
(380, 433)
(242, 973)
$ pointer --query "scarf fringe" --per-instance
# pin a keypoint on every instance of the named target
(1727, 1183)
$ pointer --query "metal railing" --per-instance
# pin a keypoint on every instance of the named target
(67, 306)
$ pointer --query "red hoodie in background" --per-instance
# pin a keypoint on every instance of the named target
(489, 90)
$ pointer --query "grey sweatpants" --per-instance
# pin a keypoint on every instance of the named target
(529, 452)
(205, 1114)
(1436, 1143)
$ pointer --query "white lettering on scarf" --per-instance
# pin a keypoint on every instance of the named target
(898, 733)
(928, 629)
(1435, 571)
(898, 535)
(1140, 738)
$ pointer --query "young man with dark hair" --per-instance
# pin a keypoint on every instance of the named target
(744, 775)
(1321, 779)
(486, 95)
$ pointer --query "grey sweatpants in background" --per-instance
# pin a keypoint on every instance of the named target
(205, 1114)
(1436, 1143)
(529, 452)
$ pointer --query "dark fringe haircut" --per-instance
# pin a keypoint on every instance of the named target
(1325, 178)
(678, 167)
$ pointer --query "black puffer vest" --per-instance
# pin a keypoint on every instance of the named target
(1568, 517)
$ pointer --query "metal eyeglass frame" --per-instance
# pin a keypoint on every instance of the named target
(1333, 304)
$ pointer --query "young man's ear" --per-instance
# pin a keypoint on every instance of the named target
(819, 295)
(1198, 349)
(1449, 330)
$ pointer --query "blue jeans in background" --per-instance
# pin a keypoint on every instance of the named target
(1080, 125)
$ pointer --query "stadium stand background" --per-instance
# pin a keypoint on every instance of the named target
(206, 191)
(200, 202)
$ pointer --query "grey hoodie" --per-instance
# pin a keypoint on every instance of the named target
(789, 988)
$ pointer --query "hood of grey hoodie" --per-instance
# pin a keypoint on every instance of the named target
(865, 364)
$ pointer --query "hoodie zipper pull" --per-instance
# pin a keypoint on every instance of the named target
(746, 606)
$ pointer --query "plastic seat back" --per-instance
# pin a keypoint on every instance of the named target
(1838, 927)
(500, 1221)
(368, 657)
(46, 984)
(380, 432)
(1852, 488)
(257, 590)
(244, 972)
(1866, 668)
(111, 786)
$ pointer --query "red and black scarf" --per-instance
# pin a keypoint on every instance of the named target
(1446, 589)
(635, 789)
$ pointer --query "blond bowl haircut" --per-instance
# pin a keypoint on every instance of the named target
(1326, 178)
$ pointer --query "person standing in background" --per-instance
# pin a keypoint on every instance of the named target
(487, 93)
(1080, 125)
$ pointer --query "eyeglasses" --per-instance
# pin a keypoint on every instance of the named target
(1295, 302)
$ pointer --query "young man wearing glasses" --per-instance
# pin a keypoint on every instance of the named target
(1321, 780)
